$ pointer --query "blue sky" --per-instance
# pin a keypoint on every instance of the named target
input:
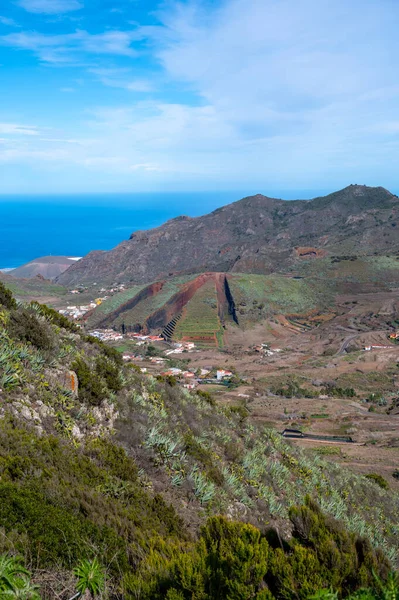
(138, 95)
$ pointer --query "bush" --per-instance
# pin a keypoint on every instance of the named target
(207, 397)
(6, 298)
(26, 327)
(58, 504)
(55, 317)
(91, 387)
(234, 560)
(109, 371)
(379, 480)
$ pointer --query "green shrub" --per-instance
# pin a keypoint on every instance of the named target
(207, 397)
(91, 387)
(6, 297)
(57, 506)
(55, 317)
(234, 560)
(109, 371)
(378, 479)
(228, 562)
(23, 325)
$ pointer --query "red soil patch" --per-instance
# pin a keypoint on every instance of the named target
(309, 252)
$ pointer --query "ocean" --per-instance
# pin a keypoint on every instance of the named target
(33, 226)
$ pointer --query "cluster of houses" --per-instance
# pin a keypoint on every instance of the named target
(189, 379)
(77, 312)
(376, 347)
(265, 349)
(155, 360)
(114, 290)
(144, 338)
(180, 347)
(107, 335)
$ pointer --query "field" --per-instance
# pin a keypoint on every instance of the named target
(114, 302)
(200, 319)
(258, 296)
(365, 269)
(35, 288)
(323, 382)
(147, 306)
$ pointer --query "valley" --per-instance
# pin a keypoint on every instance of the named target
(257, 379)
(307, 327)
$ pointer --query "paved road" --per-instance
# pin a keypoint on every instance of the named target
(346, 343)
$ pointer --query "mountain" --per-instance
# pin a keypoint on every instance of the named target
(254, 235)
(48, 267)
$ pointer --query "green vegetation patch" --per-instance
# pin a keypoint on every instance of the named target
(200, 315)
(351, 269)
(115, 301)
(35, 288)
(59, 504)
(145, 308)
(257, 295)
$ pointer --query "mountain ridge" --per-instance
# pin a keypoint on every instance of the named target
(256, 234)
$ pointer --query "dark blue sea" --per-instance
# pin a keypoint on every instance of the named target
(34, 226)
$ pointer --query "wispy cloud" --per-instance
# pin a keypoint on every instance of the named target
(14, 129)
(278, 93)
(69, 47)
(50, 7)
(8, 22)
(122, 78)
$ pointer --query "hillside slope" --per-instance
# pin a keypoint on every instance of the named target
(205, 304)
(48, 267)
(99, 460)
(254, 235)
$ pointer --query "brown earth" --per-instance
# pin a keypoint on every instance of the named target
(48, 267)
(315, 358)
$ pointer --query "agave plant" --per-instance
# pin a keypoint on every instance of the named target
(90, 576)
(15, 580)
(9, 379)
(204, 489)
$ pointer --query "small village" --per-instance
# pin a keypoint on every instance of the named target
(78, 311)
(158, 360)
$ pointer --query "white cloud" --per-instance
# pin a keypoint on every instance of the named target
(14, 129)
(70, 47)
(122, 78)
(8, 22)
(50, 7)
(275, 92)
(139, 85)
(145, 167)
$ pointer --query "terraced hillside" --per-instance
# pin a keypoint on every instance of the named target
(135, 306)
(200, 301)
(199, 307)
(200, 321)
